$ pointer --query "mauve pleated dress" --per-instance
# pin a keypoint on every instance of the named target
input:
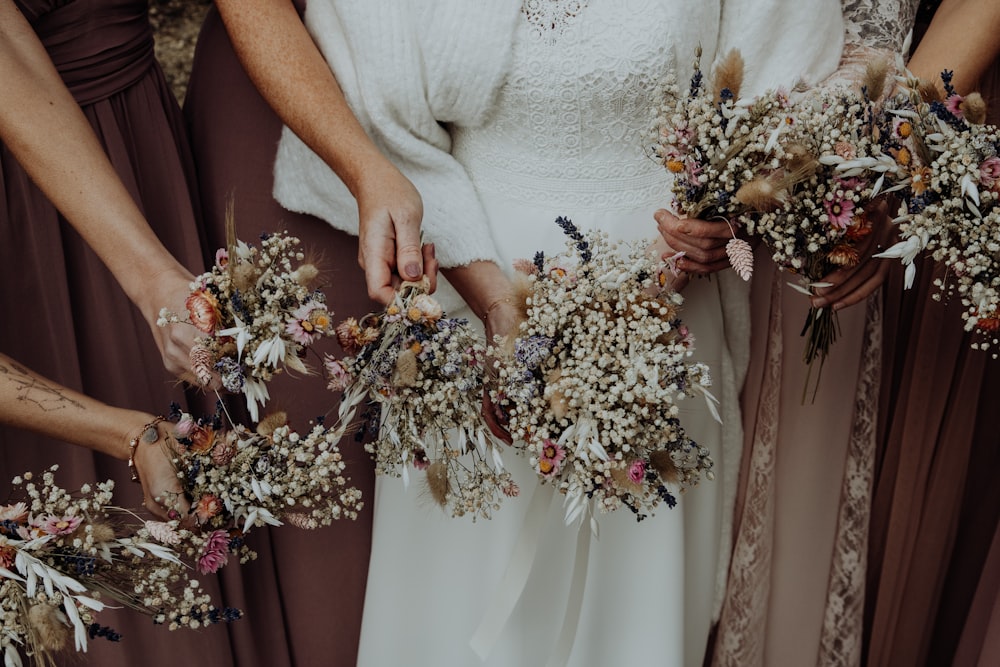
(304, 595)
(933, 594)
(63, 314)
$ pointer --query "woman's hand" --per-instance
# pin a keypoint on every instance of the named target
(163, 495)
(502, 320)
(169, 289)
(703, 242)
(855, 284)
(389, 248)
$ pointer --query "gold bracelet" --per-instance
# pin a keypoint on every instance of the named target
(494, 304)
(133, 444)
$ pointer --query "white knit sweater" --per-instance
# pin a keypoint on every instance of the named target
(405, 68)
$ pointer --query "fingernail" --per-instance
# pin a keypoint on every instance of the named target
(412, 270)
(433, 251)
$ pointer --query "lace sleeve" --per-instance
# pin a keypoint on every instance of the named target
(878, 24)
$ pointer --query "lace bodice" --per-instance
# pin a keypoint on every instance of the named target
(568, 122)
(882, 24)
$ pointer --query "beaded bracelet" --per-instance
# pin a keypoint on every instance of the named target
(133, 444)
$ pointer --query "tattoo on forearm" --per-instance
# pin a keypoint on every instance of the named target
(30, 389)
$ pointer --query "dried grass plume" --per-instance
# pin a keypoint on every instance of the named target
(728, 74)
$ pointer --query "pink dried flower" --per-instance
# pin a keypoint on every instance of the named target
(300, 327)
(340, 376)
(989, 172)
(841, 212)
(59, 525)
(221, 258)
(8, 554)
(637, 471)
(224, 450)
(550, 458)
(185, 426)
(215, 553)
(954, 105)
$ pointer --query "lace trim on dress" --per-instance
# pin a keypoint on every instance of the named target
(549, 18)
(840, 642)
(882, 24)
(740, 642)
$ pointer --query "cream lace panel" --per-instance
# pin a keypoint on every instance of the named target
(880, 24)
(570, 118)
(740, 639)
(840, 642)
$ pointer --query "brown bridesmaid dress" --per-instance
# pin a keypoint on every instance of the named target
(933, 593)
(304, 595)
(63, 314)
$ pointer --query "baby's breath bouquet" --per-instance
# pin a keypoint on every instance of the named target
(238, 479)
(949, 184)
(65, 557)
(423, 373)
(800, 171)
(591, 381)
(258, 312)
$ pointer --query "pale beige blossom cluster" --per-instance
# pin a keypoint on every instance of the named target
(592, 381)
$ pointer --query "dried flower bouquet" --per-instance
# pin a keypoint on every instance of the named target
(65, 557)
(423, 373)
(258, 312)
(591, 381)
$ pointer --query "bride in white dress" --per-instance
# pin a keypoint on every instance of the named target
(505, 117)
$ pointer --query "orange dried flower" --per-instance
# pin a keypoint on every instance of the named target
(202, 439)
(844, 255)
(203, 309)
(920, 180)
(675, 166)
(990, 324)
(859, 228)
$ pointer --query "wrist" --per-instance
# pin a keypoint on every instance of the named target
(146, 435)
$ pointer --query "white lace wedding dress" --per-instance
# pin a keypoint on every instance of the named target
(566, 139)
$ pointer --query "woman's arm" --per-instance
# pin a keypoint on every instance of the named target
(31, 402)
(46, 131)
(961, 37)
(292, 75)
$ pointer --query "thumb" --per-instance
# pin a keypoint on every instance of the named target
(409, 257)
